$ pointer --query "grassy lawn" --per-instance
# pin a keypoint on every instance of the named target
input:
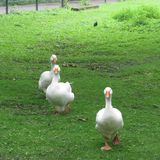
(122, 52)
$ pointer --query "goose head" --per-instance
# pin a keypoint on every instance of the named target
(56, 69)
(53, 59)
(56, 73)
(108, 92)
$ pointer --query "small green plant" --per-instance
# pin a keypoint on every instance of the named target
(139, 20)
(85, 2)
(13, 9)
(66, 4)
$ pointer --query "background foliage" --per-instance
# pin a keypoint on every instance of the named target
(19, 2)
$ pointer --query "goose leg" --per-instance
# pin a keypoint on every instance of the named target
(106, 147)
(116, 140)
(67, 108)
(56, 113)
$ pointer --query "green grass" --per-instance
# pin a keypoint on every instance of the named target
(116, 53)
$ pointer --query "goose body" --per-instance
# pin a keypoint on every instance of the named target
(109, 120)
(59, 94)
(45, 80)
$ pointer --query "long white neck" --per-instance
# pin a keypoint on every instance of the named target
(108, 102)
(55, 78)
(52, 65)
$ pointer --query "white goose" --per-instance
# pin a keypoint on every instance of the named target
(59, 93)
(46, 76)
(109, 120)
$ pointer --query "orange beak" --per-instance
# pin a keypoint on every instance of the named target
(55, 70)
(107, 94)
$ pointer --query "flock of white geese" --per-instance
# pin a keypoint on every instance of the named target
(108, 119)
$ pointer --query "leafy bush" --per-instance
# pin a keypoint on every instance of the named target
(149, 12)
(139, 20)
(123, 15)
(138, 17)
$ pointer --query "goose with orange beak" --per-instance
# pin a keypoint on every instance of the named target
(59, 93)
(109, 121)
(46, 76)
